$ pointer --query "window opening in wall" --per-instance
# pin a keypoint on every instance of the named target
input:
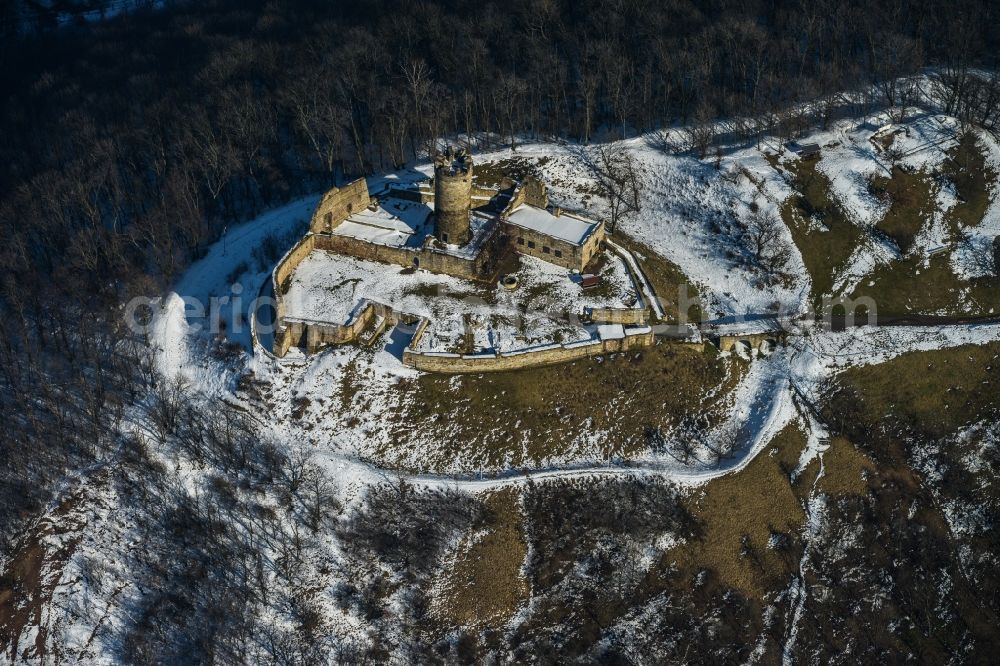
(531, 244)
(545, 249)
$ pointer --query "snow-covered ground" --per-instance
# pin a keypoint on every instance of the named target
(967, 259)
(327, 287)
(683, 203)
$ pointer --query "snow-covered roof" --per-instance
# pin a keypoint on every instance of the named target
(611, 331)
(566, 227)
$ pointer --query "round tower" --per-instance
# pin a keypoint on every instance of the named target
(452, 197)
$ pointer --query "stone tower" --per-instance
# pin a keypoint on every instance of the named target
(452, 197)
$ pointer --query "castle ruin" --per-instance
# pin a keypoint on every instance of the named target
(454, 226)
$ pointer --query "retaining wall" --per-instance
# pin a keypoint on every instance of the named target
(532, 357)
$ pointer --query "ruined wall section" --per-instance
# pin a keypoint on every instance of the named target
(338, 204)
(314, 335)
(728, 343)
(535, 193)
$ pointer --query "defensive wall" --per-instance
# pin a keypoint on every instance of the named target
(427, 257)
(284, 336)
(338, 204)
(529, 357)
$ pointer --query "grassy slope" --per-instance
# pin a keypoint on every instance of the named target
(931, 394)
(523, 417)
(824, 253)
(911, 286)
(912, 204)
(907, 416)
(485, 584)
(738, 514)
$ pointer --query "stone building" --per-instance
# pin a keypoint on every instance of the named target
(554, 236)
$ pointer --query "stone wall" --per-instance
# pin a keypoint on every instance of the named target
(290, 332)
(420, 194)
(287, 264)
(516, 199)
(532, 357)
(427, 257)
(314, 335)
(534, 192)
(754, 340)
(482, 196)
(627, 316)
(338, 204)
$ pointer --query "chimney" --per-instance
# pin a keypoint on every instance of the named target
(557, 211)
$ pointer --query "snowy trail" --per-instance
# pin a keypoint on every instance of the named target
(764, 403)
(769, 390)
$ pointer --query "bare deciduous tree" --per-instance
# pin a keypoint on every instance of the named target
(701, 133)
(616, 171)
(763, 236)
